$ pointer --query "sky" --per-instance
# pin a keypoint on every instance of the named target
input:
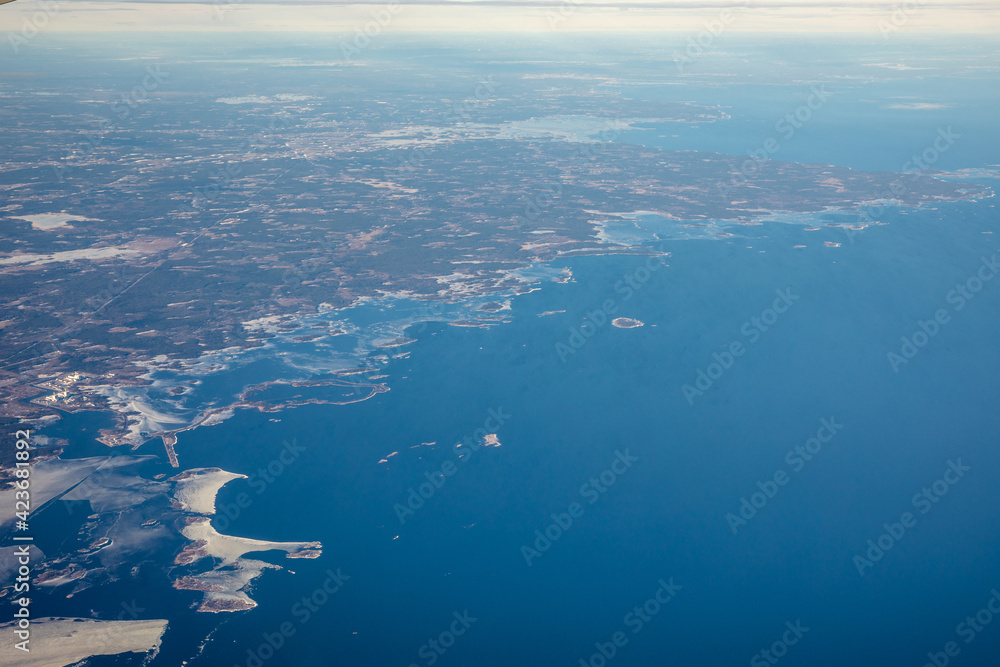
(882, 20)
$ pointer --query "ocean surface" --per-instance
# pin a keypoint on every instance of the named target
(820, 368)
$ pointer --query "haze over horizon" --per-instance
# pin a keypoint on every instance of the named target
(885, 19)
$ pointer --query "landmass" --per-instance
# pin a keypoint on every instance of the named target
(99, 305)
(56, 642)
(136, 518)
(130, 276)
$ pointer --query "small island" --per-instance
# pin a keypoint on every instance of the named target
(626, 323)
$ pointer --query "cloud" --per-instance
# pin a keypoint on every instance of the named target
(844, 16)
(919, 106)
